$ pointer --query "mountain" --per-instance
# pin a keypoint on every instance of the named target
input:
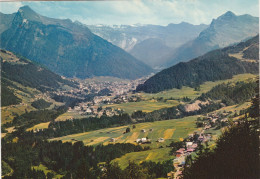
(226, 30)
(5, 21)
(148, 43)
(216, 65)
(67, 48)
(19, 73)
(151, 51)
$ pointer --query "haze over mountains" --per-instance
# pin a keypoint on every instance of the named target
(66, 48)
(149, 43)
(161, 47)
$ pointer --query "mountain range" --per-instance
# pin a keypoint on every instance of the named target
(67, 48)
(164, 46)
(149, 43)
(218, 64)
(226, 30)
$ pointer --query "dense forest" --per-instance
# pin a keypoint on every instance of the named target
(7, 96)
(41, 104)
(230, 93)
(215, 65)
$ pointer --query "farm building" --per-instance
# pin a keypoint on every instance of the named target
(143, 130)
(189, 144)
(144, 140)
(160, 140)
(138, 140)
(112, 140)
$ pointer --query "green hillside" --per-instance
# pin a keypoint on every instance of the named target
(215, 65)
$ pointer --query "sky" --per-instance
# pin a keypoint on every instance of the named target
(158, 12)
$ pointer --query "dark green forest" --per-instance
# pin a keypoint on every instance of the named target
(41, 104)
(8, 97)
(230, 93)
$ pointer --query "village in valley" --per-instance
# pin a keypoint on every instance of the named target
(106, 92)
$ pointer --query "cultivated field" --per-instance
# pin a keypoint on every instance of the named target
(43, 125)
(145, 106)
(170, 130)
(156, 155)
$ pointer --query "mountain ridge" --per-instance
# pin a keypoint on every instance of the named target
(134, 38)
(68, 48)
(215, 65)
(227, 29)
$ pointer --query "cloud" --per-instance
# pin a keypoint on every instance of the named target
(10, 7)
(160, 12)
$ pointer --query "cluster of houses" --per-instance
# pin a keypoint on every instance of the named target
(94, 111)
(119, 94)
(194, 140)
(214, 119)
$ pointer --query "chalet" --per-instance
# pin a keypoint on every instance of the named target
(138, 140)
(160, 140)
(207, 127)
(112, 140)
(189, 144)
(201, 138)
(224, 120)
(180, 151)
(77, 108)
(190, 150)
(176, 160)
(194, 146)
(143, 130)
(144, 140)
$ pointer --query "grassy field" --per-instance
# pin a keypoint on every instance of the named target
(145, 106)
(170, 130)
(46, 170)
(9, 112)
(69, 115)
(156, 155)
(39, 126)
(235, 108)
